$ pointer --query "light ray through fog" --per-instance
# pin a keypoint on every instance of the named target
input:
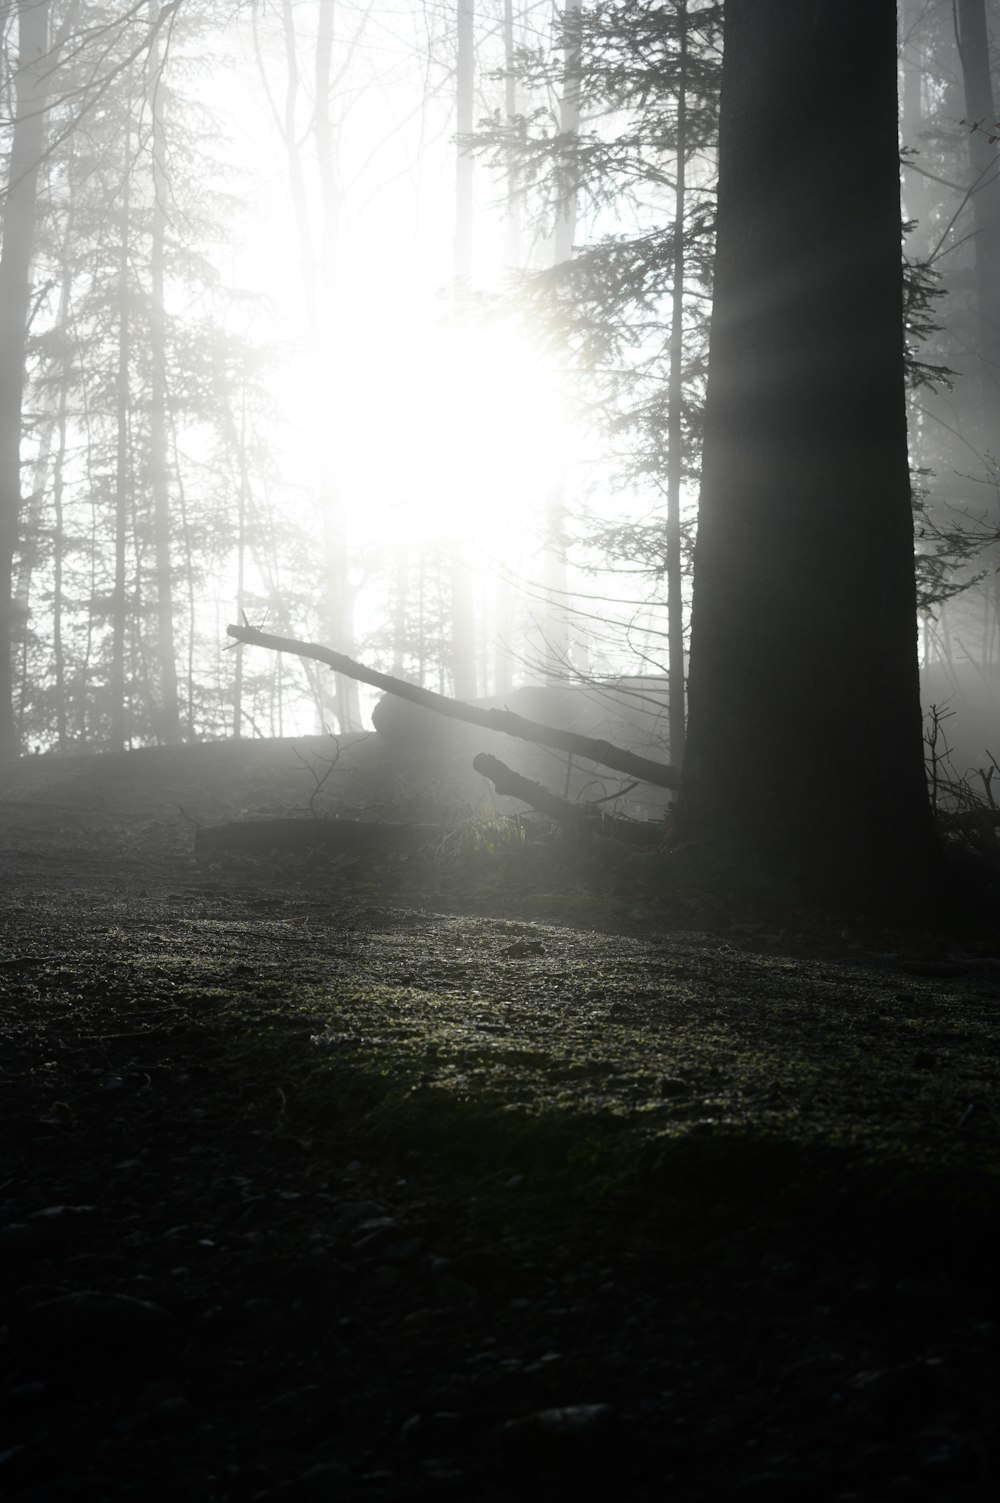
(442, 431)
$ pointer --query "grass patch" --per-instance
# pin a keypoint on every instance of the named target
(712, 1095)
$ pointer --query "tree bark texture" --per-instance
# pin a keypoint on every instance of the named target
(19, 212)
(805, 725)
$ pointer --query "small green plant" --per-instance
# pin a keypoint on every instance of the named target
(486, 832)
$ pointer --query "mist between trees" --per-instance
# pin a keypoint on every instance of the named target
(387, 327)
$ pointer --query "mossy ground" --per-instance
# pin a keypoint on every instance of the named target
(739, 1175)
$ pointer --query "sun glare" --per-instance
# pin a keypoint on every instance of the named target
(450, 435)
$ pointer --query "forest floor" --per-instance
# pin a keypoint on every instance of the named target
(487, 1173)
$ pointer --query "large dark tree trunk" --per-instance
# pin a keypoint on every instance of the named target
(805, 731)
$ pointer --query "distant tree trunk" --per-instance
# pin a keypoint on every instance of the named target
(59, 543)
(465, 65)
(512, 247)
(912, 13)
(503, 598)
(338, 604)
(555, 645)
(503, 636)
(168, 719)
(19, 213)
(400, 586)
(569, 130)
(120, 729)
(319, 270)
(676, 689)
(463, 609)
(981, 121)
(463, 625)
(242, 497)
(804, 748)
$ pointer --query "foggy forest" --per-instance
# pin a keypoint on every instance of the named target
(499, 749)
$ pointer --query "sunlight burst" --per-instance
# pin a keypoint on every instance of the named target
(451, 434)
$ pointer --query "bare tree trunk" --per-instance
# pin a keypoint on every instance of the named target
(555, 646)
(512, 250)
(503, 635)
(677, 712)
(912, 13)
(981, 119)
(464, 97)
(59, 531)
(241, 555)
(463, 626)
(319, 271)
(338, 603)
(169, 729)
(463, 610)
(20, 208)
(974, 51)
(123, 469)
(503, 593)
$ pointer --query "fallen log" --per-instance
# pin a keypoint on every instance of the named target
(504, 721)
(582, 819)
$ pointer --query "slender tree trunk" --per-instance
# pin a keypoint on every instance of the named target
(400, 585)
(339, 610)
(981, 120)
(512, 238)
(676, 709)
(168, 718)
(120, 730)
(912, 13)
(59, 544)
(241, 555)
(319, 270)
(180, 510)
(503, 636)
(804, 748)
(556, 634)
(503, 597)
(61, 424)
(463, 626)
(463, 607)
(464, 112)
(19, 213)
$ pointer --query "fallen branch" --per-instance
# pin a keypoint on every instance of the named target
(582, 819)
(503, 721)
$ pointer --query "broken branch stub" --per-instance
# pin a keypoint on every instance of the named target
(582, 819)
